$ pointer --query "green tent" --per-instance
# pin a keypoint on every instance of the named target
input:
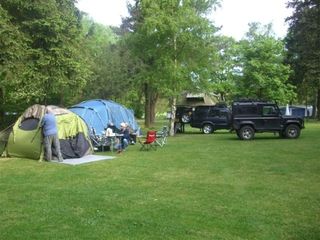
(25, 138)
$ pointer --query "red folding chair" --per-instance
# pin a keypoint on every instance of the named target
(150, 141)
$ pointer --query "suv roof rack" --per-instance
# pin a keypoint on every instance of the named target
(250, 100)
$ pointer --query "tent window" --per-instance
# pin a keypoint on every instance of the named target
(29, 124)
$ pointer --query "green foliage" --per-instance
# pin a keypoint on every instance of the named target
(54, 69)
(303, 44)
(178, 43)
(96, 36)
(172, 39)
(196, 187)
(112, 65)
(222, 80)
(12, 56)
(263, 73)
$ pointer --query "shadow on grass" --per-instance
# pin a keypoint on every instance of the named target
(232, 136)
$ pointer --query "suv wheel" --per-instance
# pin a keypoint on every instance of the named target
(246, 133)
(185, 118)
(207, 128)
(292, 131)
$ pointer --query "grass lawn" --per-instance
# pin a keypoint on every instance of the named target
(196, 187)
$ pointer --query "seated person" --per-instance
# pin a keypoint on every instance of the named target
(111, 139)
(133, 135)
(109, 131)
(125, 139)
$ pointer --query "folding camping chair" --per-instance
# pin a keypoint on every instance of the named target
(99, 141)
(150, 141)
(162, 136)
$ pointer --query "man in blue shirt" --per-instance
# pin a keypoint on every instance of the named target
(50, 134)
(124, 141)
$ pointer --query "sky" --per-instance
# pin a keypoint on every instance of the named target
(233, 15)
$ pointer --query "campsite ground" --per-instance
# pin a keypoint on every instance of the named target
(196, 187)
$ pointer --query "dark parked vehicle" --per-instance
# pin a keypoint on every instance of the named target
(211, 118)
(252, 116)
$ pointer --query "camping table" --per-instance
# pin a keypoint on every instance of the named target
(113, 140)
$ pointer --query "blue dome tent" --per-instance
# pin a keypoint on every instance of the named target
(98, 113)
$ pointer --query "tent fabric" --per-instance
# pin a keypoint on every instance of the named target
(76, 147)
(25, 139)
(99, 113)
(4, 136)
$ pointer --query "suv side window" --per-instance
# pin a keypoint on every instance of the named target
(269, 110)
(214, 112)
(247, 110)
(224, 114)
(201, 111)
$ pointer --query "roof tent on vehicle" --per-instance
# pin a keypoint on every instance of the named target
(190, 99)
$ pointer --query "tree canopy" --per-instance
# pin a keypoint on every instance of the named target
(51, 53)
(173, 41)
(263, 72)
(53, 67)
(303, 44)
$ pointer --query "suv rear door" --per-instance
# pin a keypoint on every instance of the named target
(220, 117)
(200, 113)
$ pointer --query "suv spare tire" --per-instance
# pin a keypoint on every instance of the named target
(185, 118)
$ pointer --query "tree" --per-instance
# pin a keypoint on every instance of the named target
(12, 52)
(303, 44)
(263, 73)
(112, 65)
(173, 40)
(222, 80)
(55, 70)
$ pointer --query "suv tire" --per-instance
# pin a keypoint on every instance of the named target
(207, 128)
(292, 131)
(246, 133)
(185, 118)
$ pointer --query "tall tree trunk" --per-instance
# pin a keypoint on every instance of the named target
(151, 98)
(173, 116)
(61, 100)
(147, 106)
(153, 103)
(174, 98)
(318, 103)
(2, 104)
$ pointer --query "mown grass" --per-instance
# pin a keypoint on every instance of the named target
(196, 187)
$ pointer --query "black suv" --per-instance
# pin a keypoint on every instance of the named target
(251, 116)
(211, 118)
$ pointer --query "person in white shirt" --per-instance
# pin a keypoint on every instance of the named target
(109, 131)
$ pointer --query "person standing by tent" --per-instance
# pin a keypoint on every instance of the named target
(50, 133)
